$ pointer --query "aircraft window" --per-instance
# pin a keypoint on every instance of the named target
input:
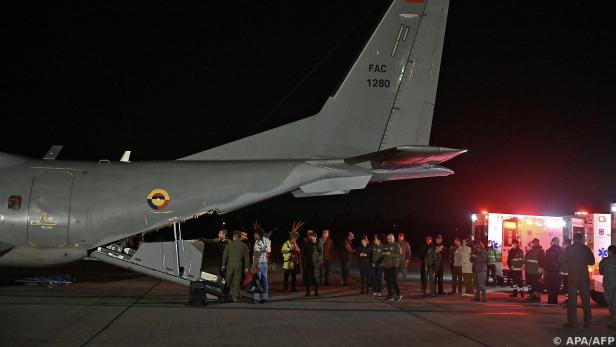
(14, 202)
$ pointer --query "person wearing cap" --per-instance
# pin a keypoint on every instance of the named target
(533, 266)
(262, 250)
(405, 257)
(364, 253)
(234, 260)
(328, 256)
(551, 264)
(290, 256)
(424, 269)
(577, 258)
(345, 258)
(492, 260)
(391, 262)
(312, 258)
(515, 262)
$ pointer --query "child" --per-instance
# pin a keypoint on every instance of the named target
(607, 268)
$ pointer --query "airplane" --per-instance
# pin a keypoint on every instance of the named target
(374, 128)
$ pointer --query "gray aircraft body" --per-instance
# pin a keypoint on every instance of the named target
(375, 128)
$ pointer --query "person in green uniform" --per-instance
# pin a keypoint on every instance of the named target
(234, 259)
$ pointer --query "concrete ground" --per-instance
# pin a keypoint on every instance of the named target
(109, 306)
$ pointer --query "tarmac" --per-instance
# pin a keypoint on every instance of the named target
(111, 306)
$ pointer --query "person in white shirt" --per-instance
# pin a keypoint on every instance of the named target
(262, 249)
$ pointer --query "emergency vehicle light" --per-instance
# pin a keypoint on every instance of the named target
(510, 225)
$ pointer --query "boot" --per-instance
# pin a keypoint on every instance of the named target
(522, 293)
(514, 293)
(483, 297)
(612, 324)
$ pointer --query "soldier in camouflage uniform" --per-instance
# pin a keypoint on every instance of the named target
(234, 260)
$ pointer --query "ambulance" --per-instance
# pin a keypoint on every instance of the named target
(503, 228)
(597, 229)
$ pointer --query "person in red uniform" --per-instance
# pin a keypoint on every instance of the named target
(328, 256)
(345, 258)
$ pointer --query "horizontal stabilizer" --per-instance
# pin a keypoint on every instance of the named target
(405, 156)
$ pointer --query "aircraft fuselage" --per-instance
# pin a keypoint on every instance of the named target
(68, 208)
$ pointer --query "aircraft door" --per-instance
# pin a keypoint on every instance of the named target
(49, 209)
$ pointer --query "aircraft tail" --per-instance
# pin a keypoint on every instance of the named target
(385, 101)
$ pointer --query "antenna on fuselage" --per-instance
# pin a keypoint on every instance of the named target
(125, 157)
(53, 152)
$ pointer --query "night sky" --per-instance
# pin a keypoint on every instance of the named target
(529, 88)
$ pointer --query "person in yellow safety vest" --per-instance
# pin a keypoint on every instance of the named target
(534, 270)
(492, 256)
(290, 255)
(515, 262)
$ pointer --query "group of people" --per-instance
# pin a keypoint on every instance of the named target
(385, 258)
(382, 259)
(377, 260)
(557, 267)
(469, 264)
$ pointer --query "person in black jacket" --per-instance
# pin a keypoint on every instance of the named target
(365, 264)
(438, 278)
(533, 267)
(312, 259)
(424, 269)
(551, 265)
(577, 258)
(515, 262)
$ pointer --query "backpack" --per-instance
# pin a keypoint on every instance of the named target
(255, 285)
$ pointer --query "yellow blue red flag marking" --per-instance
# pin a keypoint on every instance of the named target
(158, 199)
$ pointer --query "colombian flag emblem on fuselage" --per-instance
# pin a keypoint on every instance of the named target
(158, 199)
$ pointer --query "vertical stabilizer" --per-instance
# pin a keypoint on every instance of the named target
(386, 99)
